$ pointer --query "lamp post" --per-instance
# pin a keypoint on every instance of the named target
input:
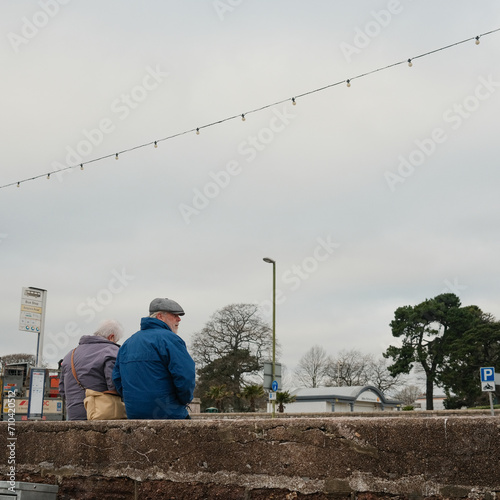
(271, 261)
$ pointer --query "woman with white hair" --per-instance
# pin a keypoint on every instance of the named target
(93, 361)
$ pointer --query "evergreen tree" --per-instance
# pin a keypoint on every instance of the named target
(476, 347)
(427, 332)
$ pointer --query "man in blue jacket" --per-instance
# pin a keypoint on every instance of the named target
(154, 372)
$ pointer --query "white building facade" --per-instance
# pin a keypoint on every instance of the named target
(341, 399)
(437, 401)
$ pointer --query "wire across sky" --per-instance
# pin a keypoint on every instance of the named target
(242, 115)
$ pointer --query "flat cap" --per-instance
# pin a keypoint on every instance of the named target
(167, 305)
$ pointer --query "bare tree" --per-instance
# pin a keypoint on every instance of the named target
(230, 350)
(381, 378)
(287, 377)
(234, 328)
(10, 359)
(349, 368)
(409, 394)
(312, 369)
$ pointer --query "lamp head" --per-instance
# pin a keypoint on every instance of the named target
(268, 260)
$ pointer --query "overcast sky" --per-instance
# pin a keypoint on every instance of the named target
(368, 197)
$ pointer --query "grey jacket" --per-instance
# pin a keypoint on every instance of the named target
(94, 362)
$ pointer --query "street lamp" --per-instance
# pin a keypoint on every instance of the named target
(271, 261)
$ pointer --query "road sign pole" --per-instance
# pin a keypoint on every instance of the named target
(274, 333)
(37, 348)
(490, 394)
(39, 352)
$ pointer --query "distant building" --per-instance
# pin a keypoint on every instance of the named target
(438, 402)
(341, 399)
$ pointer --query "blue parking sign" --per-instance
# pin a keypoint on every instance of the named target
(488, 374)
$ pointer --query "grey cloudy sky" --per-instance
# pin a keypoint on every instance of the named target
(368, 198)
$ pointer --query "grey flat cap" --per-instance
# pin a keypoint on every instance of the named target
(166, 305)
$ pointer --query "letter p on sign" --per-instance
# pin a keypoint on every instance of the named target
(488, 374)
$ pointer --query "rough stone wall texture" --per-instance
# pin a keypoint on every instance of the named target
(300, 458)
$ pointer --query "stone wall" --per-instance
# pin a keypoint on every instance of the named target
(436, 457)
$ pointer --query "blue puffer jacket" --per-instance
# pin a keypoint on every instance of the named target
(154, 373)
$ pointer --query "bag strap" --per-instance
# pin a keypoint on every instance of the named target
(113, 393)
(73, 368)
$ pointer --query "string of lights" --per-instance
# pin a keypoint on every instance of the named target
(243, 115)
